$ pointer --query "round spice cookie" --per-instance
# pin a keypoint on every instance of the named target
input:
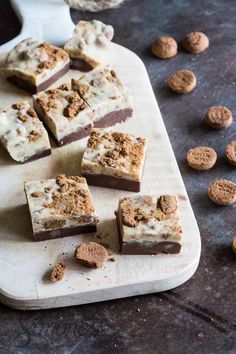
(219, 117)
(195, 42)
(91, 254)
(222, 192)
(164, 47)
(234, 244)
(201, 158)
(182, 81)
(230, 153)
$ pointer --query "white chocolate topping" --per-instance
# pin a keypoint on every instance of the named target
(88, 41)
(149, 219)
(59, 203)
(115, 154)
(21, 132)
(35, 61)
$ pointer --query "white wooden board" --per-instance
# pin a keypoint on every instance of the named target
(24, 264)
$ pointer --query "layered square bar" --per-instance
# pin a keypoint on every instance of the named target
(149, 225)
(35, 65)
(107, 96)
(60, 207)
(22, 134)
(65, 113)
(114, 160)
(98, 99)
(86, 46)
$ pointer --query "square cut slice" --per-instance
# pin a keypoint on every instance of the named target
(35, 65)
(86, 46)
(60, 207)
(149, 225)
(65, 113)
(114, 160)
(107, 96)
(22, 134)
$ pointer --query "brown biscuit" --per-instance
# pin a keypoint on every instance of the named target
(222, 192)
(91, 254)
(58, 272)
(182, 81)
(195, 42)
(230, 153)
(219, 117)
(201, 158)
(234, 244)
(164, 47)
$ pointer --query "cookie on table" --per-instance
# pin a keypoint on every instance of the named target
(34, 65)
(219, 117)
(182, 81)
(91, 254)
(22, 134)
(201, 158)
(164, 47)
(60, 207)
(230, 153)
(149, 225)
(222, 192)
(114, 160)
(195, 42)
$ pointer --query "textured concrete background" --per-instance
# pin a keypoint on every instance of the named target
(198, 317)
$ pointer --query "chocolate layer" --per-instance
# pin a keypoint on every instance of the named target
(64, 232)
(152, 248)
(80, 64)
(112, 182)
(39, 155)
(28, 86)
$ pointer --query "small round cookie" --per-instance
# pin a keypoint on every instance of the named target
(182, 81)
(230, 153)
(164, 47)
(219, 117)
(91, 254)
(222, 192)
(195, 42)
(201, 158)
(234, 244)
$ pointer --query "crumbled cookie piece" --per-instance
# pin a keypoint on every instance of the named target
(112, 259)
(164, 47)
(128, 213)
(201, 158)
(36, 194)
(167, 204)
(54, 224)
(75, 105)
(230, 153)
(18, 106)
(219, 117)
(234, 244)
(58, 272)
(182, 81)
(222, 192)
(91, 254)
(34, 136)
(195, 42)
(54, 54)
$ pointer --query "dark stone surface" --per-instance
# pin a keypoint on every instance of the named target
(198, 317)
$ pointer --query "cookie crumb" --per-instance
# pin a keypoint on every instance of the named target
(219, 117)
(182, 81)
(230, 153)
(91, 254)
(201, 158)
(58, 272)
(222, 192)
(164, 47)
(195, 42)
(112, 259)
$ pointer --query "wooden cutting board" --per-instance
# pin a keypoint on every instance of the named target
(24, 264)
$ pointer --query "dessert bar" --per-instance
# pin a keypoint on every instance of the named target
(22, 134)
(60, 207)
(114, 160)
(149, 225)
(34, 65)
(86, 46)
